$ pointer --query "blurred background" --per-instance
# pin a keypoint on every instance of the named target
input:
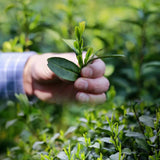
(124, 27)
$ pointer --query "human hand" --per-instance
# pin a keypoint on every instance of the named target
(40, 81)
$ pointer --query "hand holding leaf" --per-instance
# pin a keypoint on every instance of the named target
(68, 70)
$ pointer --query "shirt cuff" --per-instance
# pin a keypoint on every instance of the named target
(13, 73)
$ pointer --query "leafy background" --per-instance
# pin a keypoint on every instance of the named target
(124, 127)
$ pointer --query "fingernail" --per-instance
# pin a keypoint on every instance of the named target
(83, 97)
(82, 84)
(87, 72)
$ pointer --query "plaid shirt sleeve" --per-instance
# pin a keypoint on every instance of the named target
(11, 73)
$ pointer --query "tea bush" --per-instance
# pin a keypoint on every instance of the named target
(127, 125)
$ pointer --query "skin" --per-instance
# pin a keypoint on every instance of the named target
(40, 81)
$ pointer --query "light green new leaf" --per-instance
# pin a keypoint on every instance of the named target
(88, 55)
(63, 68)
(82, 27)
(77, 33)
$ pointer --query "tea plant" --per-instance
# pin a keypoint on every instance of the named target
(68, 70)
(129, 132)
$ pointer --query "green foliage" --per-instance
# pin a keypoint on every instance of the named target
(128, 132)
(114, 130)
(63, 68)
(66, 69)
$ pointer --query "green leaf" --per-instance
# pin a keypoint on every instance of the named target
(135, 135)
(95, 145)
(76, 45)
(63, 68)
(106, 140)
(82, 27)
(70, 43)
(70, 130)
(106, 130)
(38, 145)
(152, 64)
(62, 156)
(147, 120)
(88, 55)
(114, 156)
(106, 56)
(77, 33)
(142, 144)
(127, 151)
(9, 7)
(10, 123)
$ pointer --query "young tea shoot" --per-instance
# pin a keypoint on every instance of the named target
(68, 70)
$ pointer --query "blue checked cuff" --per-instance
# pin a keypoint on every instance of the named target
(11, 73)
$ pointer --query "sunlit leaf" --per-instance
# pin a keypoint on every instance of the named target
(114, 156)
(10, 123)
(147, 120)
(135, 135)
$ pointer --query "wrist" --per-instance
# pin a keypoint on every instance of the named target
(27, 76)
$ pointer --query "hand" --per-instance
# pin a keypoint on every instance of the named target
(40, 81)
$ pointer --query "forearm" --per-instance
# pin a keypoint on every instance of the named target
(11, 73)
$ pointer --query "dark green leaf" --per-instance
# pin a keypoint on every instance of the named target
(105, 56)
(152, 64)
(127, 151)
(63, 68)
(142, 144)
(137, 23)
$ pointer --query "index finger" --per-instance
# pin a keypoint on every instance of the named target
(94, 70)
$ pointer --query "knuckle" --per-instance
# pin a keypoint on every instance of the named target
(98, 68)
(106, 84)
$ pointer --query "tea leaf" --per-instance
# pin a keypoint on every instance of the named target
(147, 120)
(135, 135)
(114, 156)
(152, 64)
(105, 56)
(77, 33)
(127, 151)
(70, 43)
(82, 27)
(62, 156)
(88, 55)
(10, 123)
(63, 68)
